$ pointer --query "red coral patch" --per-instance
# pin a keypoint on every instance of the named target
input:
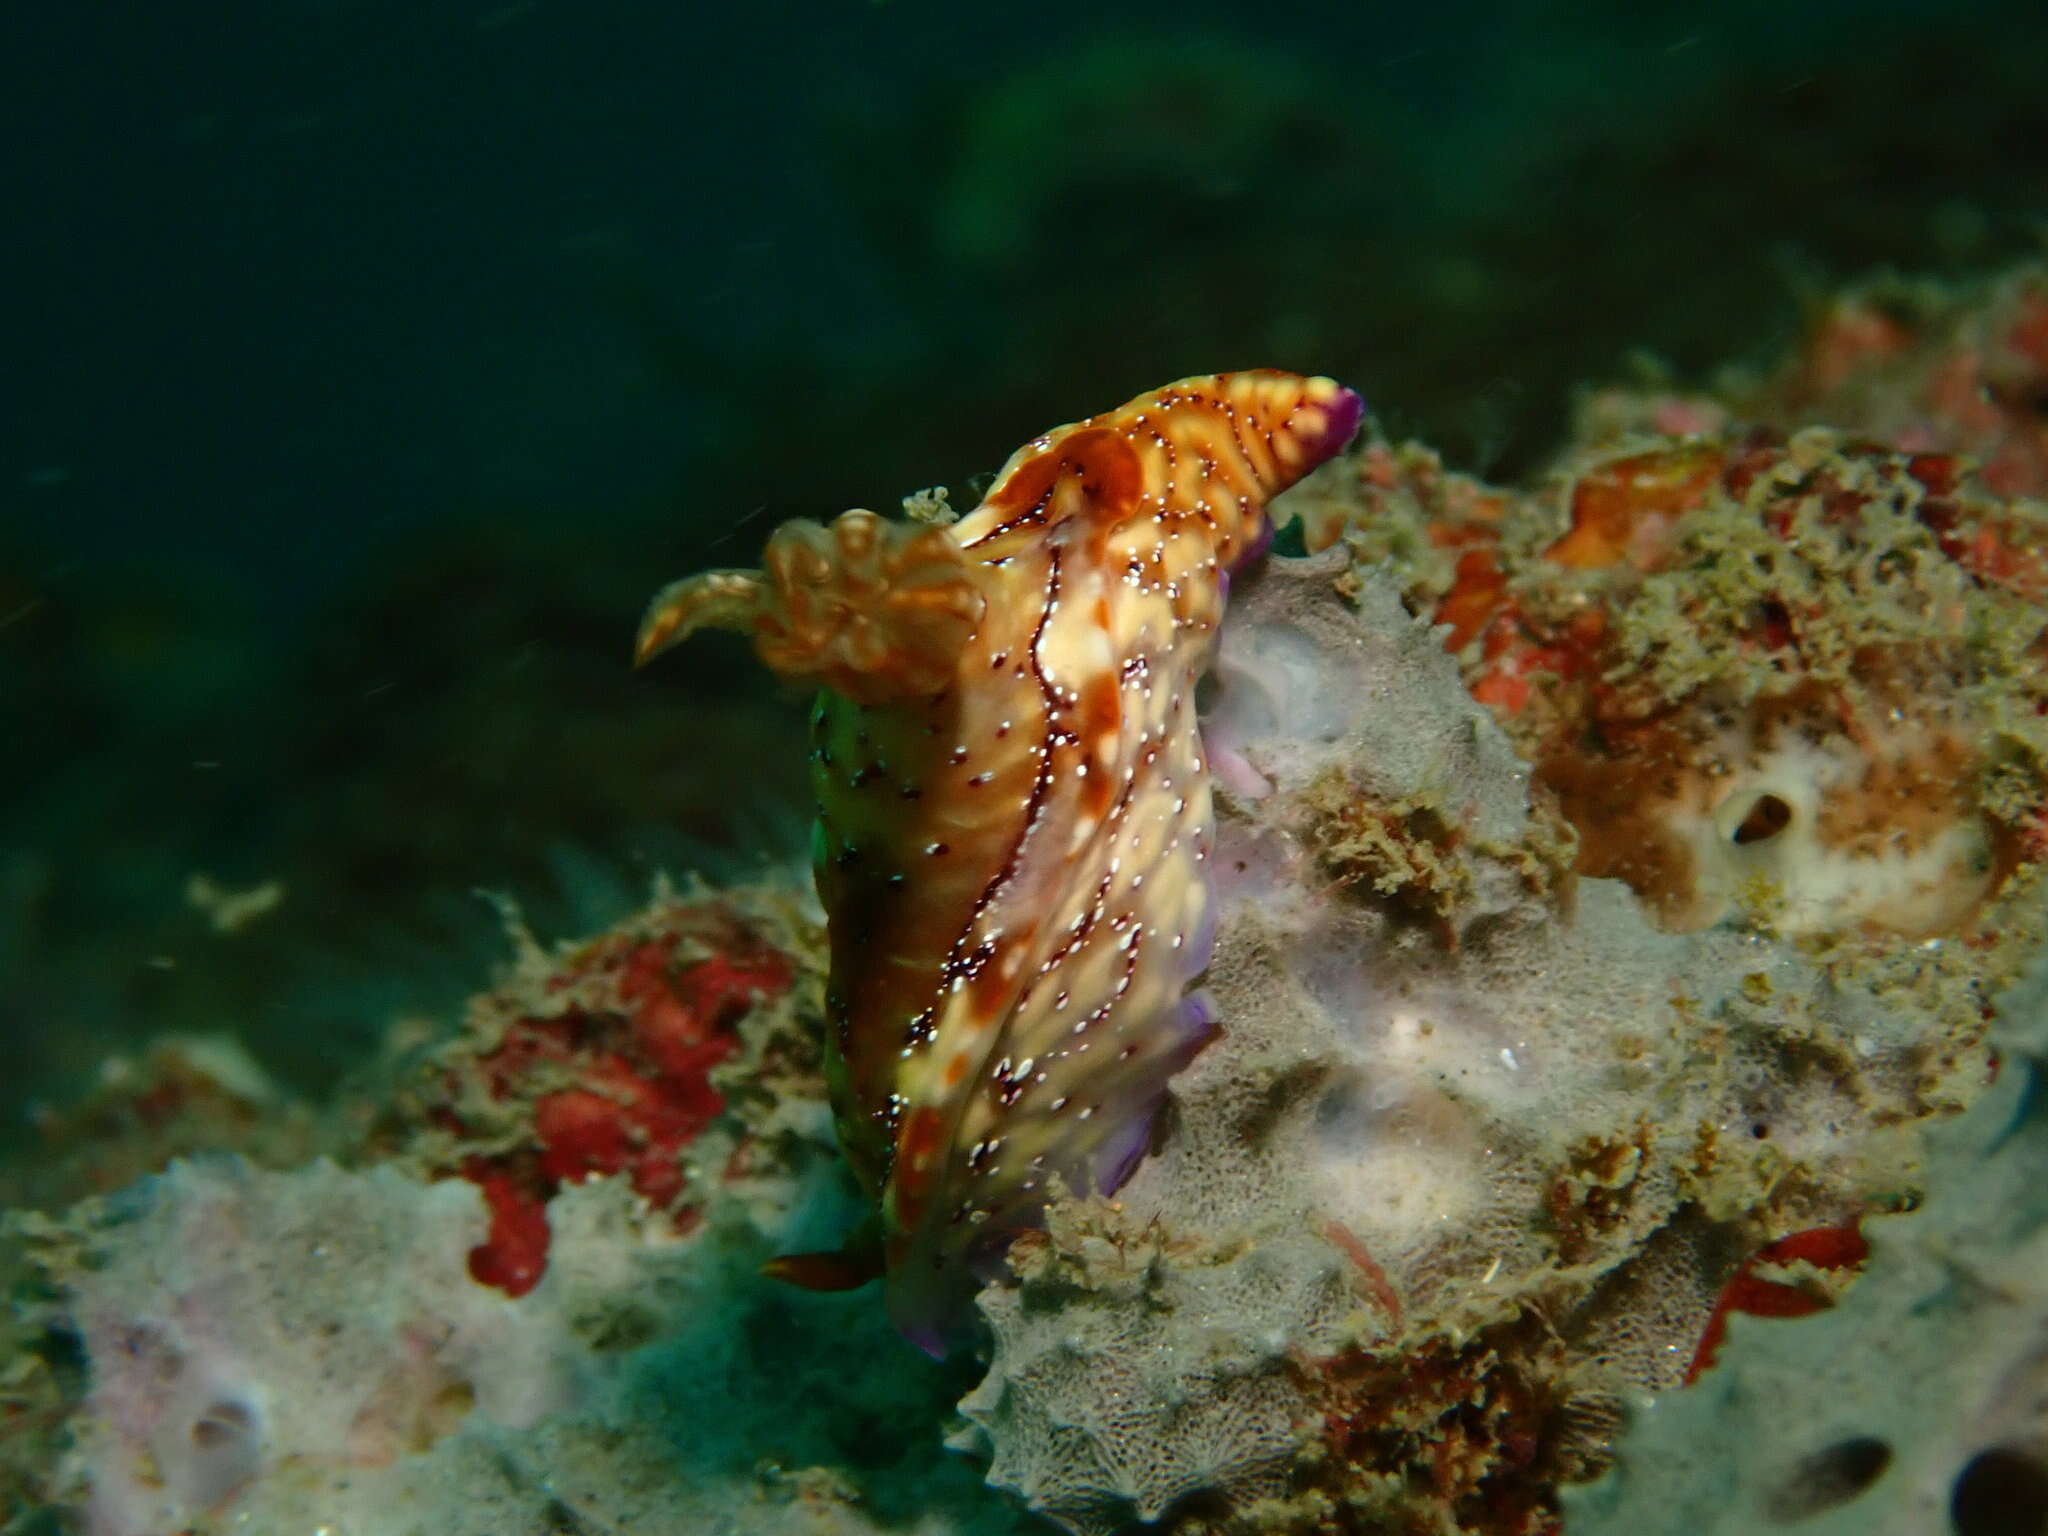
(1829, 1248)
(610, 1057)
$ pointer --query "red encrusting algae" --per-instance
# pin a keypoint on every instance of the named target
(1837, 1250)
(603, 1069)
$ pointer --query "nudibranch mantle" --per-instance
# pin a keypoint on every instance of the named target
(1014, 810)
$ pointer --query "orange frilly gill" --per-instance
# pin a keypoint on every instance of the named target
(1013, 805)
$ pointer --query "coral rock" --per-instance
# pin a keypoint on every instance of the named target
(598, 1060)
(1500, 1138)
(1916, 1404)
(1795, 680)
(1132, 1372)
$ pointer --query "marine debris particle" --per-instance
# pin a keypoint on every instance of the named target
(1014, 803)
(229, 911)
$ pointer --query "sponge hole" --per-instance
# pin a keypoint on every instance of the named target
(1828, 1479)
(2002, 1492)
(227, 1449)
(222, 1425)
(1766, 817)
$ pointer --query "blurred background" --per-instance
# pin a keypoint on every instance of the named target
(368, 364)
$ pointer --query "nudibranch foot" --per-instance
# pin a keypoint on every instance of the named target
(875, 610)
(846, 1269)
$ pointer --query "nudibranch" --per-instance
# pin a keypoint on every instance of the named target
(1014, 809)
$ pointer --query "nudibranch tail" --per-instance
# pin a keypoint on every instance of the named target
(1215, 449)
(871, 609)
(1319, 422)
